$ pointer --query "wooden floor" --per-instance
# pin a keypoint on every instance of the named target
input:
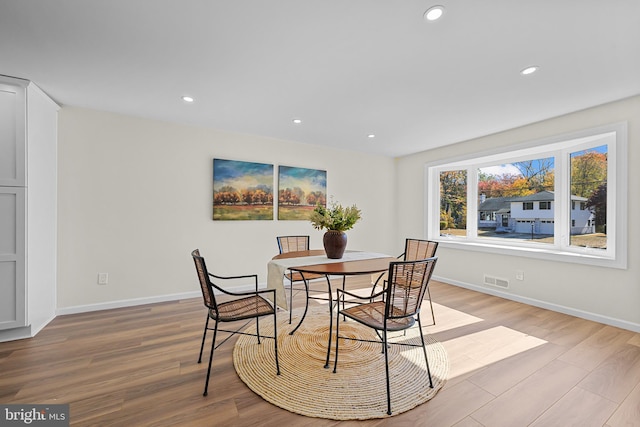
(511, 365)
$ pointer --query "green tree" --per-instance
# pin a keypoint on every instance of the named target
(453, 198)
(598, 202)
(534, 172)
(588, 172)
(520, 187)
(496, 185)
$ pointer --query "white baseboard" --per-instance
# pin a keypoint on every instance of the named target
(24, 332)
(16, 334)
(126, 303)
(29, 331)
(619, 323)
(141, 301)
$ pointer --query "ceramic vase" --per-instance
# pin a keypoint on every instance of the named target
(335, 242)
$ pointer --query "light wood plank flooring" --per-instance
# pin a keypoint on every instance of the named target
(511, 365)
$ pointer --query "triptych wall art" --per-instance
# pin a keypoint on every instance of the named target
(244, 191)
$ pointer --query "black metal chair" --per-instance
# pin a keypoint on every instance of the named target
(249, 305)
(294, 244)
(398, 310)
(415, 249)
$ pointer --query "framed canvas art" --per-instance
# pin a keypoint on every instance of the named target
(299, 190)
(242, 190)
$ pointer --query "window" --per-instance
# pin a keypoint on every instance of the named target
(559, 199)
(453, 203)
(588, 183)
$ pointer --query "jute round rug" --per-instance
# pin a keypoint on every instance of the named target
(357, 391)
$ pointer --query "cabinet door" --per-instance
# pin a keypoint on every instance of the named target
(12, 258)
(12, 133)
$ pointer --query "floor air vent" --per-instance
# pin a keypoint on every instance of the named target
(496, 281)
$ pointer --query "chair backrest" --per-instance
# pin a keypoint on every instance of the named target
(408, 282)
(205, 283)
(415, 249)
(292, 243)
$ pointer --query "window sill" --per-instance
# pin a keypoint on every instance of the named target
(586, 256)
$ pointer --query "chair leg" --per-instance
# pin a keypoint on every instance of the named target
(344, 282)
(258, 328)
(204, 335)
(213, 346)
(275, 338)
(386, 366)
(290, 299)
(424, 349)
(306, 305)
(433, 315)
(373, 288)
(335, 360)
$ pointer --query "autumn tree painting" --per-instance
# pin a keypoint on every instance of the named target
(242, 190)
(299, 190)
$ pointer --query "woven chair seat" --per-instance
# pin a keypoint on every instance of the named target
(243, 308)
(372, 315)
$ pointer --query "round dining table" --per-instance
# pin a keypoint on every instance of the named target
(332, 267)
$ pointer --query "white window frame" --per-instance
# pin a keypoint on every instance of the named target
(560, 147)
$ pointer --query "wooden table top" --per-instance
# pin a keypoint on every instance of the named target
(343, 268)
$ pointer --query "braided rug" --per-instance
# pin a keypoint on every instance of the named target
(358, 390)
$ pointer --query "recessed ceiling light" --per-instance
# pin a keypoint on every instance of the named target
(187, 99)
(529, 70)
(297, 121)
(434, 13)
(371, 135)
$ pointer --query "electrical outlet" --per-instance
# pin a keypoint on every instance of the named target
(103, 278)
(519, 275)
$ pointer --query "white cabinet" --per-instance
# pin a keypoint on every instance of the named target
(12, 134)
(12, 257)
(28, 189)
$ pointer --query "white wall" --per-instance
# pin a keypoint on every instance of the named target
(604, 294)
(135, 197)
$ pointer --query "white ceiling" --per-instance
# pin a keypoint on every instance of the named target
(347, 68)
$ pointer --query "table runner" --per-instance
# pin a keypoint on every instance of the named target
(277, 267)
